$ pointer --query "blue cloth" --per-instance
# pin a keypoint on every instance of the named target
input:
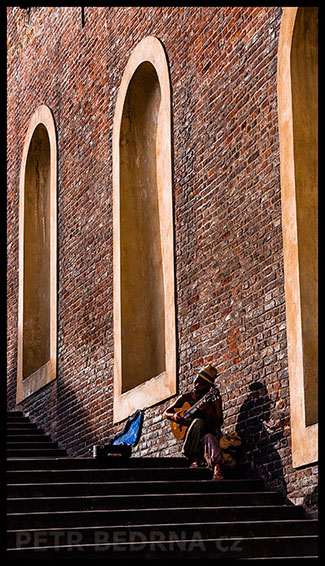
(131, 432)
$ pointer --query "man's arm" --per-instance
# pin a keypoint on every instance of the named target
(170, 414)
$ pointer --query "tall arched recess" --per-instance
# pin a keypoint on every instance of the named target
(37, 302)
(143, 250)
(298, 129)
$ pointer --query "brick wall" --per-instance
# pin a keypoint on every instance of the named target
(227, 213)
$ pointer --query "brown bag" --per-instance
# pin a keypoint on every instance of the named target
(230, 444)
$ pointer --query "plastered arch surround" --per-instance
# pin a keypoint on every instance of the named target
(304, 436)
(148, 53)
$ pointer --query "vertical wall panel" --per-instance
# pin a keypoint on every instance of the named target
(36, 306)
(142, 287)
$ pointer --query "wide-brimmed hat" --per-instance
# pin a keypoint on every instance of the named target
(208, 373)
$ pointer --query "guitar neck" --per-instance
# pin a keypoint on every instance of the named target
(192, 410)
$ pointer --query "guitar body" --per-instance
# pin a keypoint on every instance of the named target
(179, 431)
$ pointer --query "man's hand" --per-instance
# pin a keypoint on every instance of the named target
(204, 405)
(178, 419)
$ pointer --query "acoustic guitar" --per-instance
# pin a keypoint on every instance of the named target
(187, 411)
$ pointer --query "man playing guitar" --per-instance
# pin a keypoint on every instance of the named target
(203, 432)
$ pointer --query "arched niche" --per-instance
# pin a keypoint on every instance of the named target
(144, 307)
(298, 129)
(37, 256)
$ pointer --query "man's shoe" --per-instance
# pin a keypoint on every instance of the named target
(217, 473)
(195, 464)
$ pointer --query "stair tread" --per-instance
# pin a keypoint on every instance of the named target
(139, 495)
(131, 461)
(26, 436)
(212, 539)
(152, 543)
(129, 510)
(151, 513)
(116, 483)
(33, 444)
(35, 450)
(173, 524)
(116, 469)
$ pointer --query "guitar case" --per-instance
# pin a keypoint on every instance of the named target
(121, 443)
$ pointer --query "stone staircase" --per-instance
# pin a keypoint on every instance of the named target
(145, 508)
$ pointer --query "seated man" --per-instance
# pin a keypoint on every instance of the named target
(202, 436)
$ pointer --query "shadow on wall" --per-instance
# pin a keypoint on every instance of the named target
(311, 502)
(57, 411)
(77, 431)
(260, 440)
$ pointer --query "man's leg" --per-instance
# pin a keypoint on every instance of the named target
(191, 447)
(213, 455)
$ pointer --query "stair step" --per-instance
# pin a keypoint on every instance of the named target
(24, 425)
(34, 444)
(198, 548)
(166, 468)
(105, 488)
(23, 433)
(34, 452)
(105, 475)
(154, 515)
(88, 535)
(14, 413)
(111, 463)
(141, 501)
(22, 421)
(269, 558)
